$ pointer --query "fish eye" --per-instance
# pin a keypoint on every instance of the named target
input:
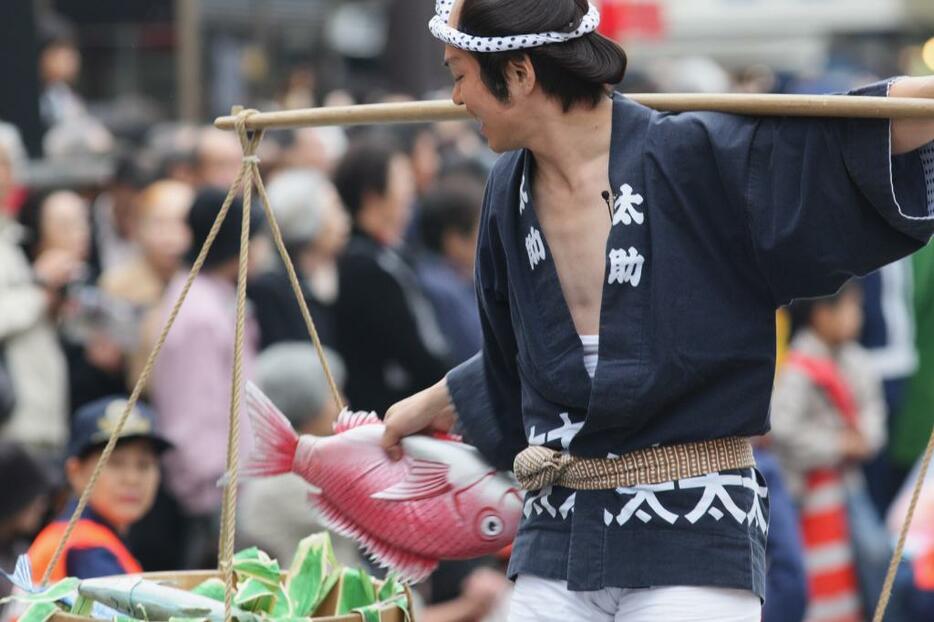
(491, 525)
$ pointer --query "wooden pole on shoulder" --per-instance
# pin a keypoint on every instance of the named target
(757, 105)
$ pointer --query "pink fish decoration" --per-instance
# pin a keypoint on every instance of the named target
(440, 501)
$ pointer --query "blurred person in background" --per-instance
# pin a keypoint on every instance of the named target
(315, 229)
(218, 158)
(275, 513)
(22, 505)
(160, 231)
(317, 148)
(173, 147)
(90, 325)
(386, 328)
(30, 351)
(59, 69)
(888, 335)
(450, 215)
(190, 384)
(12, 159)
(124, 493)
(828, 419)
(114, 214)
(420, 143)
(786, 585)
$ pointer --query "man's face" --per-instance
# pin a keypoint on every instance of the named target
(495, 117)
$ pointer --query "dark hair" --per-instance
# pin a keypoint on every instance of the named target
(452, 204)
(573, 72)
(801, 312)
(364, 168)
(204, 209)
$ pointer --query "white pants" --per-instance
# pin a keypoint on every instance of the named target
(535, 599)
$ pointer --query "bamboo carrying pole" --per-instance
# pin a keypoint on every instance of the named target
(765, 105)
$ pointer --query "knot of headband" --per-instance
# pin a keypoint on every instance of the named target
(440, 28)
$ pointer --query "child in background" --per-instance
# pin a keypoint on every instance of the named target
(828, 417)
(124, 492)
(22, 506)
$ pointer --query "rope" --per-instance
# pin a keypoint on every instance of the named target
(143, 378)
(297, 290)
(903, 534)
(229, 509)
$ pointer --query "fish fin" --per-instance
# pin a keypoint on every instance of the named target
(423, 478)
(275, 439)
(22, 574)
(349, 419)
(411, 568)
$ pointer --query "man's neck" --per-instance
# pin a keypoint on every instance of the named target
(566, 143)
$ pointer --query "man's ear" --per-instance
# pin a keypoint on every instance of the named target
(520, 76)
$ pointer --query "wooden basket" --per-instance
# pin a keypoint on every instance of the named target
(189, 579)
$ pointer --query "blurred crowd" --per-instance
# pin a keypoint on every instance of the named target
(381, 225)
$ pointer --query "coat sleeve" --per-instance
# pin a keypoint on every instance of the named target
(821, 199)
(485, 388)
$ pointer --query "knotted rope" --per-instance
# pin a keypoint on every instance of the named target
(537, 467)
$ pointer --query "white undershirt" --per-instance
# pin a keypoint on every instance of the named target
(591, 345)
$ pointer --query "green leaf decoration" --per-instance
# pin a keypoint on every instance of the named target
(82, 606)
(356, 591)
(188, 620)
(214, 589)
(39, 612)
(312, 575)
(371, 613)
(253, 563)
(391, 587)
(58, 591)
(122, 618)
(255, 596)
(283, 605)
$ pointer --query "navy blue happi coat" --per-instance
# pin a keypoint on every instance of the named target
(718, 219)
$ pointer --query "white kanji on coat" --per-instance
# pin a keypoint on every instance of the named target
(755, 515)
(565, 433)
(523, 196)
(714, 485)
(642, 495)
(535, 247)
(625, 207)
(625, 267)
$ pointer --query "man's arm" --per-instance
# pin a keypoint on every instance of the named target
(910, 134)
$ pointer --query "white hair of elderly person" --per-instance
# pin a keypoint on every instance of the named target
(314, 225)
(274, 512)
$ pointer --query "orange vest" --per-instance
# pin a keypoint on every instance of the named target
(86, 535)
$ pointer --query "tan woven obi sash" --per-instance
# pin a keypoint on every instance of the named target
(536, 466)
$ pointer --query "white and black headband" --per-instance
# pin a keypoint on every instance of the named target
(440, 28)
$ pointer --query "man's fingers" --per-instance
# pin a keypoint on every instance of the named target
(390, 442)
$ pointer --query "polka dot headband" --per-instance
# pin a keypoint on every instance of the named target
(441, 30)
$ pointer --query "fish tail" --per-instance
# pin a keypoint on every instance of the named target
(22, 574)
(275, 439)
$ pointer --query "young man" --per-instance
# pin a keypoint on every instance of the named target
(124, 493)
(386, 329)
(666, 292)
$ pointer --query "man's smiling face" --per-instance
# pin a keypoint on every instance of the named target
(470, 91)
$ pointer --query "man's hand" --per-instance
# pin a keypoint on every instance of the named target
(429, 410)
(854, 446)
(910, 134)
